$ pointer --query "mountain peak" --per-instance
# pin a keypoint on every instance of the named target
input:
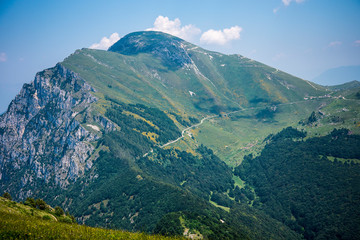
(168, 48)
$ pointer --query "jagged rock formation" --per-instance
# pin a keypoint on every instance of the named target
(41, 136)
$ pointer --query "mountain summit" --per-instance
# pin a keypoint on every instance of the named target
(179, 75)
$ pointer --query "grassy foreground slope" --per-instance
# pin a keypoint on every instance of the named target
(18, 221)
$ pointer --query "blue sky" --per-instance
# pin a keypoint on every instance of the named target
(301, 37)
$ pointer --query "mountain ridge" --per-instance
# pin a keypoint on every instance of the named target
(211, 86)
(338, 75)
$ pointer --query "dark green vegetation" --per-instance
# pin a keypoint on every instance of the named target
(200, 175)
(139, 193)
(145, 120)
(151, 86)
(312, 186)
(18, 221)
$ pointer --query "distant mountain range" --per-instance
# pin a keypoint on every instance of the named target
(339, 75)
(146, 136)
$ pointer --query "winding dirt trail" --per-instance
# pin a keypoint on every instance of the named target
(186, 129)
(213, 116)
(228, 113)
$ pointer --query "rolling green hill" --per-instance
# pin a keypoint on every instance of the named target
(136, 70)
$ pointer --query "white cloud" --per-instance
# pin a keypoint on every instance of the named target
(357, 43)
(287, 2)
(105, 42)
(221, 37)
(164, 24)
(334, 44)
(3, 57)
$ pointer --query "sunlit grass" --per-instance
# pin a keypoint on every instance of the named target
(16, 222)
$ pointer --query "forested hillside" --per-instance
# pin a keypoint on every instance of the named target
(311, 185)
(135, 192)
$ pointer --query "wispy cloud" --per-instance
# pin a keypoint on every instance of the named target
(334, 44)
(287, 2)
(221, 37)
(275, 10)
(173, 27)
(3, 57)
(357, 43)
(279, 56)
(105, 42)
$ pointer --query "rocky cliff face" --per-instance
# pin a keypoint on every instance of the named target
(42, 134)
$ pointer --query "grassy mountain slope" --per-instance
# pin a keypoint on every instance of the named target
(235, 135)
(18, 221)
(201, 82)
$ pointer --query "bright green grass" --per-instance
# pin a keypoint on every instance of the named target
(16, 222)
(347, 110)
(343, 160)
(219, 206)
(240, 134)
(238, 182)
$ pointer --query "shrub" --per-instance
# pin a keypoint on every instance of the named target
(7, 196)
(41, 204)
(66, 220)
(46, 217)
(30, 202)
(58, 211)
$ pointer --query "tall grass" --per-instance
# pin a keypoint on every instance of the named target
(15, 224)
